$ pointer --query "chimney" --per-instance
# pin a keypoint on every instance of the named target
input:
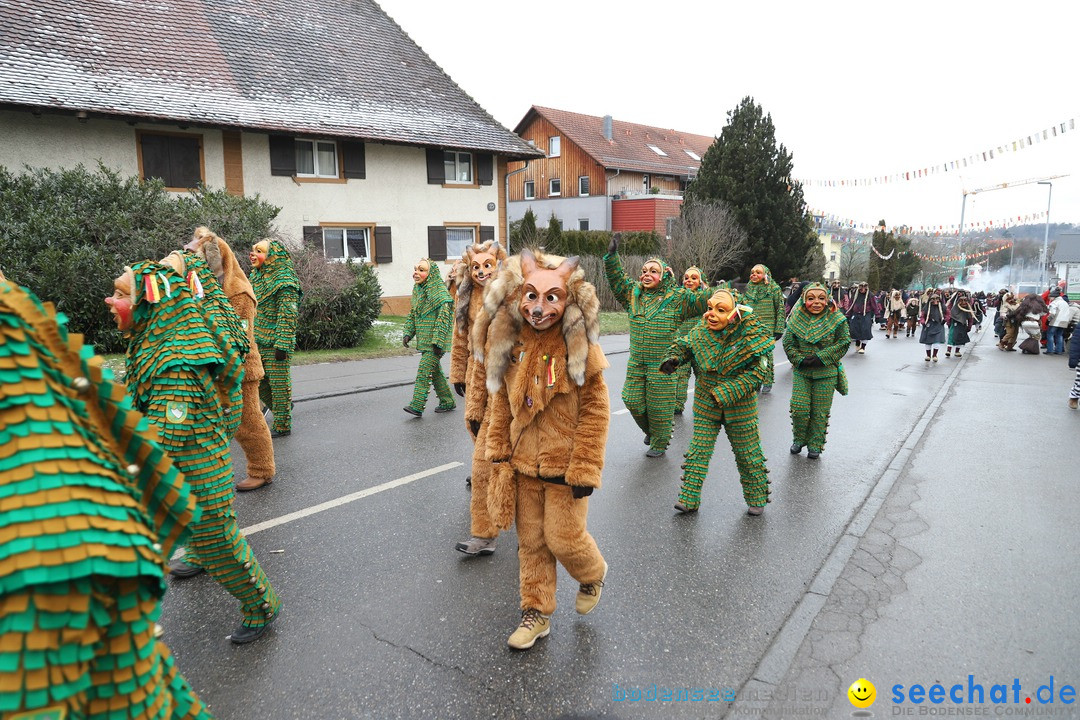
(608, 130)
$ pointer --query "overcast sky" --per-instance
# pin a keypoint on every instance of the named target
(855, 89)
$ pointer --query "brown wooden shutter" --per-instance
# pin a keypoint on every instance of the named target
(436, 171)
(436, 242)
(354, 160)
(384, 253)
(282, 155)
(313, 237)
(487, 232)
(484, 169)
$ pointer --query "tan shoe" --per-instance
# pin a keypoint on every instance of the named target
(252, 483)
(533, 627)
(1073, 403)
(588, 594)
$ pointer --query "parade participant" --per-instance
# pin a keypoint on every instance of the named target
(277, 294)
(548, 429)
(960, 319)
(1009, 323)
(912, 309)
(1057, 319)
(253, 434)
(93, 506)
(431, 322)
(860, 310)
(932, 319)
(763, 295)
(837, 295)
(178, 372)
(895, 314)
(881, 298)
(692, 280)
(1074, 362)
(479, 264)
(1028, 316)
(816, 339)
(997, 302)
(729, 351)
(656, 308)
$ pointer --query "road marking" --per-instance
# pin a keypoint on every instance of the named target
(620, 412)
(346, 499)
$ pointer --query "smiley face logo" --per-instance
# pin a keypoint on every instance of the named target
(862, 693)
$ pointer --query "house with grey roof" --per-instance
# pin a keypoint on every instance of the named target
(325, 108)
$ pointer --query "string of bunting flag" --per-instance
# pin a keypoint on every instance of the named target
(828, 219)
(953, 257)
(1021, 143)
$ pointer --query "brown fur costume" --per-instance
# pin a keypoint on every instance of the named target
(254, 433)
(547, 429)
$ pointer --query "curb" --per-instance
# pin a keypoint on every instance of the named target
(775, 663)
(385, 386)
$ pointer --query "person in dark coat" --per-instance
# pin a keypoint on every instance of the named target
(933, 318)
(862, 308)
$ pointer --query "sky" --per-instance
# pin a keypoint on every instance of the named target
(855, 89)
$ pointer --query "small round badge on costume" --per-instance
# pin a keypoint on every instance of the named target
(176, 412)
(862, 693)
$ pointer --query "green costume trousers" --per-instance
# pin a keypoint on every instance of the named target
(649, 395)
(740, 423)
(811, 402)
(769, 370)
(87, 646)
(682, 386)
(275, 389)
(430, 373)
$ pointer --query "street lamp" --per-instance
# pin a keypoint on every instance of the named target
(1046, 236)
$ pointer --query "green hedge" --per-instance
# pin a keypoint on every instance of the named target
(67, 233)
(595, 242)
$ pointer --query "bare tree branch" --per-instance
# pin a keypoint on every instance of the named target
(708, 236)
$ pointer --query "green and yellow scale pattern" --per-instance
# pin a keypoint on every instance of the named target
(655, 317)
(767, 300)
(431, 323)
(827, 337)
(178, 371)
(277, 294)
(91, 506)
(730, 367)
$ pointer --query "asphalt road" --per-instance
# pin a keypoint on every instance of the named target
(383, 618)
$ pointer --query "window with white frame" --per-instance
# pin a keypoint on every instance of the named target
(656, 150)
(583, 224)
(340, 243)
(530, 190)
(457, 240)
(554, 146)
(554, 187)
(693, 155)
(459, 167)
(583, 186)
(316, 158)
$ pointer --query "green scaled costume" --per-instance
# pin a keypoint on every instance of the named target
(431, 322)
(92, 507)
(178, 369)
(729, 365)
(682, 375)
(655, 316)
(767, 300)
(277, 294)
(826, 337)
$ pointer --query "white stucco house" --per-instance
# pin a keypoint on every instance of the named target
(325, 108)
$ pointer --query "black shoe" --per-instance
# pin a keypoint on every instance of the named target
(280, 433)
(648, 440)
(180, 569)
(683, 509)
(245, 634)
(813, 454)
(651, 453)
(468, 481)
(416, 413)
(796, 449)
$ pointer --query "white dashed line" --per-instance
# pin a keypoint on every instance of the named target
(346, 499)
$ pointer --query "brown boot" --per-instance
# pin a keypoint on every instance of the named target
(252, 483)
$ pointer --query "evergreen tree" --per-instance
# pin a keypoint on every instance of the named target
(553, 240)
(814, 267)
(745, 168)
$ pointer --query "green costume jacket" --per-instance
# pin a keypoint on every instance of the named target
(730, 364)
(277, 294)
(767, 299)
(655, 316)
(431, 315)
(826, 336)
